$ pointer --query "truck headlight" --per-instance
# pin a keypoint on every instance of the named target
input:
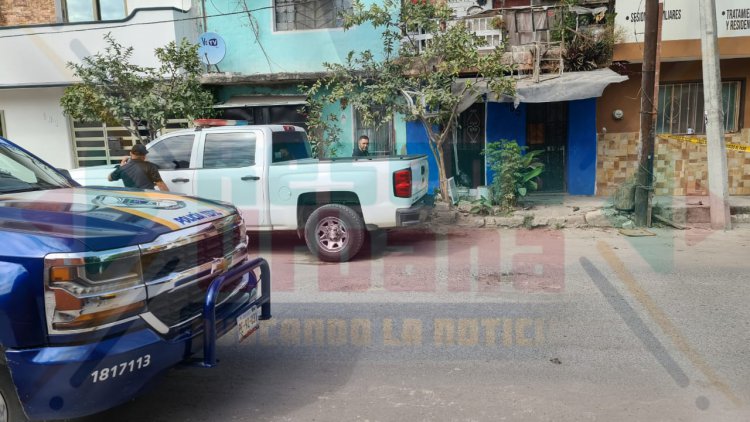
(85, 291)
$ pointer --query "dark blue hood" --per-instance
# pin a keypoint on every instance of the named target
(104, 218)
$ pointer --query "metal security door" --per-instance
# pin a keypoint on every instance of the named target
(469, 145)
(547, 130)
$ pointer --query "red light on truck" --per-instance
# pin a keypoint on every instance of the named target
(219, 122)
(402, 183)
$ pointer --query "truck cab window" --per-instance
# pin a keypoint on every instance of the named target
(229, 150)
(20, 171)
(172, 153)
(290, 146)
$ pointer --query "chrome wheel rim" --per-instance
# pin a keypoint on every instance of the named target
(332, 234)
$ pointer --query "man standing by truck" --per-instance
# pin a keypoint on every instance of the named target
(136, 172)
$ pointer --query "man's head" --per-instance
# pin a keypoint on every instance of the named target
(363, 143)
(138, 152)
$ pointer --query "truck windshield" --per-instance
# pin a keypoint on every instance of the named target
(290, 146)
(20, 172)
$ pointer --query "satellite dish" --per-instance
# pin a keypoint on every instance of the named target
(211, 48)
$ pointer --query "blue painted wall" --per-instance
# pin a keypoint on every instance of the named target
(505, 122)
(581, 158)
(417, 142)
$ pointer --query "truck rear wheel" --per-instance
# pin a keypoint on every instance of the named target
(334, 233)
(10, 406)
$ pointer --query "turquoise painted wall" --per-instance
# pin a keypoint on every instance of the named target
(289, 52)
(281, 51)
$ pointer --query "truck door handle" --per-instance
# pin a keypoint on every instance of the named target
(180, 180)
(250, 178)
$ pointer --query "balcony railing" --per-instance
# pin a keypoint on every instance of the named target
(481, 26)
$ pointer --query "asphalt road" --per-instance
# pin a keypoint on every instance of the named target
(486, 325)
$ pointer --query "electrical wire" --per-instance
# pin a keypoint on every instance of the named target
(125, 25)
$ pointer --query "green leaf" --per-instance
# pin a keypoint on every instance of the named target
(532, 174)
(522, 191)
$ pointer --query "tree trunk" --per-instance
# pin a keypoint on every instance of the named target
(436, 141)
(442, 174)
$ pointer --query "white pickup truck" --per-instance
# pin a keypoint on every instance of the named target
(268, 173)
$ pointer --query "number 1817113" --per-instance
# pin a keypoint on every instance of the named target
(118, 370)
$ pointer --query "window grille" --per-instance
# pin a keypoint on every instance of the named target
(680, 107)
(298, 15)
(96, 143)
(381, 136)
(480, 26)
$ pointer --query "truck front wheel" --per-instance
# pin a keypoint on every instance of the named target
(10, 407)
(334, 233)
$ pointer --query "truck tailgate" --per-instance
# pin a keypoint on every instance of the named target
(420, 175)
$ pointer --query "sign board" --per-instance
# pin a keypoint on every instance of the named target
(211, 48)
(681, 20)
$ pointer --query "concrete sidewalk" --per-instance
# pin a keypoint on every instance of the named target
(564, 211)
(696, 209)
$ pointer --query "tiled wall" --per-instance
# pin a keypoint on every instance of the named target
(680, 168)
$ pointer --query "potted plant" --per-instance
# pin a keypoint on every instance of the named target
(497, 22)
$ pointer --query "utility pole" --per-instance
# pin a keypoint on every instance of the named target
(205, 20)
(645, 177)
(718, 189)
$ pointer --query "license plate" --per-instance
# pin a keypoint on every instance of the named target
(248, 322)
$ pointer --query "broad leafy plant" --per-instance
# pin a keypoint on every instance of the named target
(481, 206)
(516, 172)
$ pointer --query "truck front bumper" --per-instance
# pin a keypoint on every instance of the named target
(416, 214)
(77, 380)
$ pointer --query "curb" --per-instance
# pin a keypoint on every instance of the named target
(586, 219)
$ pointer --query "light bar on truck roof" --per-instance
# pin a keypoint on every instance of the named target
(219, 122)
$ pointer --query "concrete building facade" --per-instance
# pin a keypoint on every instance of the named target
(40, 37)
(680, 159)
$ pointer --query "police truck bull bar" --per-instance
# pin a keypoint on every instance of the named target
(209, 306)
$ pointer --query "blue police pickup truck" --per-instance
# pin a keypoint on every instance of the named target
(102, 290)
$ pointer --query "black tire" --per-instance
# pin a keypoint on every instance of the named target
(10, 407)
(334, 233)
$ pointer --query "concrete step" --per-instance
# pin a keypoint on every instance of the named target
(696, 212)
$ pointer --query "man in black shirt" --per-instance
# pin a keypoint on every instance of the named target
(136, 172)
(362, 145)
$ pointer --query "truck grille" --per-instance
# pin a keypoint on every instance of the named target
(181, 258)
(178, 271)
(187, 303)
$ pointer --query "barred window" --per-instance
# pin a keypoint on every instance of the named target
(381, 136)
(297, 15)
(96, 143)
(681, 107)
